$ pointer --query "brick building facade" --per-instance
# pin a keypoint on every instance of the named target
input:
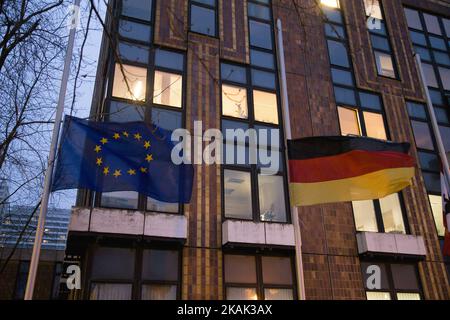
(211, 53)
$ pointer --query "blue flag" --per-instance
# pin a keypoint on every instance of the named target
(133, 156)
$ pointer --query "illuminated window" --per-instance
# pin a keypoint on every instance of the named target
(392, 214)
(373, 9)
(375, 125)
(365, 217)
(378, 295)
(385, 65)
(348, 119)
(234, 101)
(330, 3)
(438, 213)
(131, 83)
(168, 89)
(271, 198)
(238, 198)
(266, 107)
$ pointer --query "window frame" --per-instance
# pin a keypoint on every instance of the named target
(205, 6)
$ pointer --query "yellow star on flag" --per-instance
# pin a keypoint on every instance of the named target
(144, 170)
(99, 161)
(149, 158)
(98, 149)
(104, 141)
(147, 144)
(125, 134)
(138, 137)
(116, 136)
(132, 172)
(106, 171)
(117, 173)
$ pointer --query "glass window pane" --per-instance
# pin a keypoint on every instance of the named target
(436, 207)
(263, 79)
(441, 58)
(380, 43)
(445, 134)
(418, 38)
(211, 3)
(330, 3)
(238, 196)
(203, 20)
(135, 31)
(113, 263)
(240, 269)
(272, 198)
(124, 112)
(260, 34)
(364, 213)
(333, 15)
(446, 26)
(345, 96)
(432, 182)
(277, 270)
(416, 110)
(430, 75)
(158, 206)
(436, 97)
(437, 43)
(258, 11)
(265, 106)
(233, 73)
(429, 161)
(168, 89)
(342, 77)
(140, 9)
(169, 59)
(133, 52)
(405, 277)
(408, 296)
(424, 53)
(110, 291)
(234, 101)
(159, 292)
(262, 59)
(334, 31)
(348, 120)
(445, 77)
(392, 214)
(385, 65)
(120, 200)
(160, 265)
(371, 101)
(442, 115)
(133, 85)
(166, 119)
(378, 295)
(241, 294)
(375, 125)
(373, 9)
(422, 135)
(278, 294)
(338, 54)
(413, 19)
(432, 23)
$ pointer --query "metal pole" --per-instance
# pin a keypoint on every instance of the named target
(288, 134)
(434, 123)
(34, 263)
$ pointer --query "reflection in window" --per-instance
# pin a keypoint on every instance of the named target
(375, 125)
(203, 20)
(140, 9)
(168, 89)
(266, 107)
(432, 24)
(392, 214)
(365, 218)
(422, 135)
(436, 207)
(121, 199)
(134, 31)
(124, 112)
(338, 54)
(159, 292)
(260, 34)
(373, 9)
(158, 206)
(133, 85)
(385, 65)
(430, 75)
(413, 19)
(238, 198)
(234, 101)
(110, 291)
(445, 77)
(271, 198)
(348, 120)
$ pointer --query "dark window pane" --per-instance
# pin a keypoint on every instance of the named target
(166, 119)
(422, 135)
(334, 31)
(233, 125)
(233, 73)
(441, 58)
(442, 115)
(341, 77)
(169, 59)
(429, 161)
(385, 64)
(160, 265)
(371, 101)
(380, 28)
(405, 277)
(430, 75)
(413, 19)
(258, 11)
(262, 59)
(141, 9)
(432, 23)
(240, 269)
(338, 54)
(263, 79)
(445, 77)
(423, 52)
(113, 263)
(260, 34)
(203, 20)
(418, 38)
(135, 31)
(123, 112)
(416, 110)
(345, 96)
(277, 271)
(445, 134)
(211, 3)
(333, 15)
(437, 43)
(432, 182)
(132, 52)
(436, 97)
(380, 43)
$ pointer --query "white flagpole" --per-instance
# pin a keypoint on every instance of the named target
(288, 134)
(434, 123)
(34, 263)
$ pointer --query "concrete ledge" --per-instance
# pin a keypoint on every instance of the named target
(248, 232)
(393, 244)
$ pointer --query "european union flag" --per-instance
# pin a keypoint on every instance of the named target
(133, 156)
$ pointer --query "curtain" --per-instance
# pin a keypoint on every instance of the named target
(159, 292)
(241, 294)
(110, 291)
(279, 294)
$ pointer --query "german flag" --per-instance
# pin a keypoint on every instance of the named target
(340, 169)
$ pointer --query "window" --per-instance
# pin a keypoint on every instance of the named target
(130, 82)
(238, 197)
(438, 213)
(349, 121)
(260, 277)
(398, 282)
(139, 9)
(384, 215)
(338, 54)
(113, 274)
(168, 89)
(234, 101)
(380, 38)
(330, 3)
(203, 17)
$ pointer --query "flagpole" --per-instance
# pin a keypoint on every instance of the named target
(434, 123)
(288, 134)
(34, 263)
